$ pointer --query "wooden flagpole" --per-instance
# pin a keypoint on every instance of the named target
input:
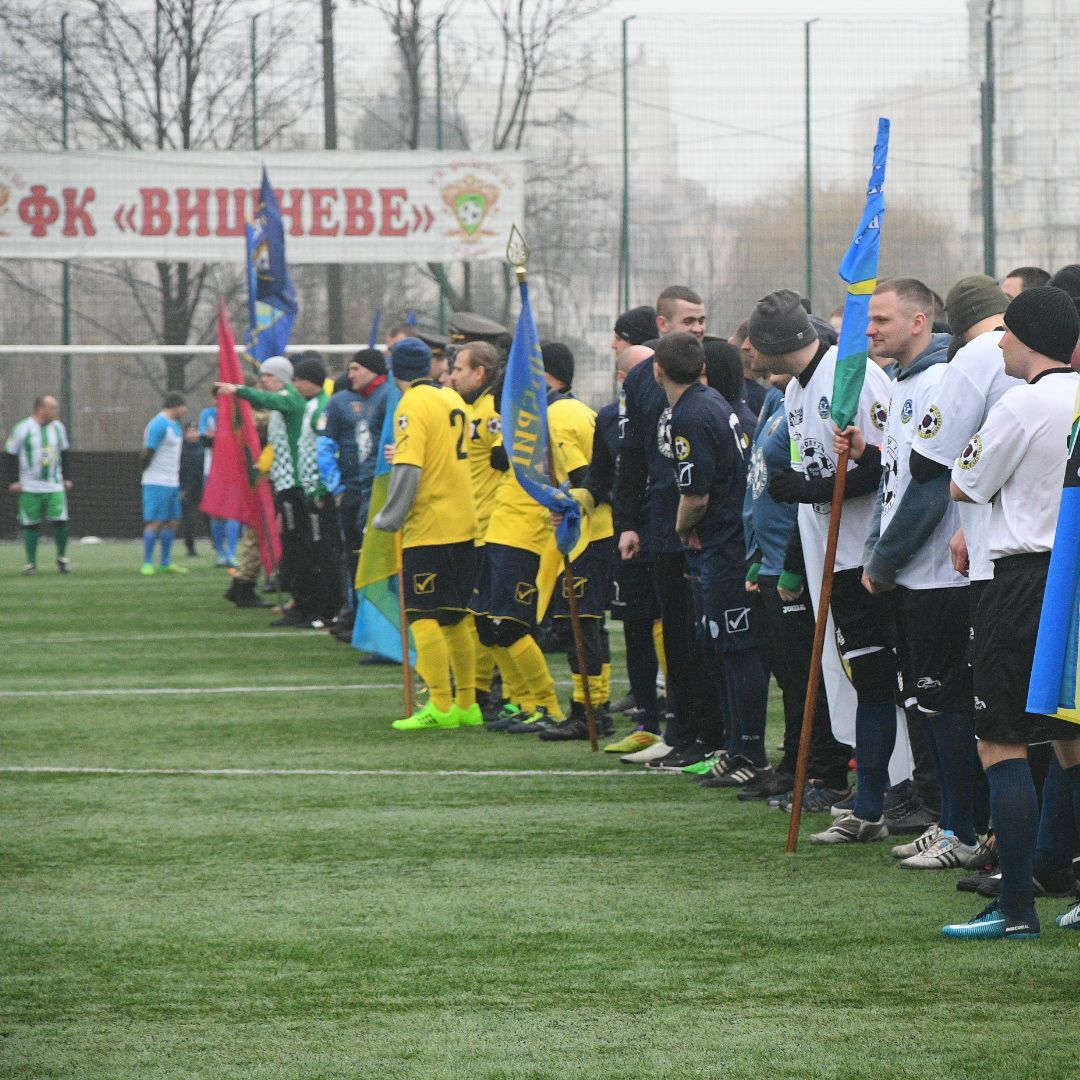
(824, 599)
(517, 252)
(406, 665)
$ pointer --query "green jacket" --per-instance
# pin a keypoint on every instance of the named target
(286, 408)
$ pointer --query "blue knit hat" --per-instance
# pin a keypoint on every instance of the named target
(411, 359)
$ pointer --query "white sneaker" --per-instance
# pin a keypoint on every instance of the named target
(917, 846)
(1071, 919)
(659, 749)
(948, 853)
(852, 830)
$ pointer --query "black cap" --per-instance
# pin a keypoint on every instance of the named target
(372, 359)
(311, 369)
(1045, 320)
(558, 362)
(468, 326)
(780, 324)
(637, 325)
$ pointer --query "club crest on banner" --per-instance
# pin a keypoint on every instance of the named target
(470, 200)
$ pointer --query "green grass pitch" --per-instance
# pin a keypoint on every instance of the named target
(413, 924)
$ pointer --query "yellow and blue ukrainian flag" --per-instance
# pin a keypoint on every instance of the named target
(1054, 674)
(378, 612)
(859, 269)
(525, 429)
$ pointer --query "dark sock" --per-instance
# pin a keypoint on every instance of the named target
(1074, 782)
(930, 738)
(954, 733)
(875, 737)
(1057, 827)
(62, 533)
(1015, 812)
(747, 687)
(980, 795)
(641, 666)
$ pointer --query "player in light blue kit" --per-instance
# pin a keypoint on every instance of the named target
(224, 534)
(161, 483)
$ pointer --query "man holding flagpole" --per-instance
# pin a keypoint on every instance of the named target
(430, 500)
(786, 343)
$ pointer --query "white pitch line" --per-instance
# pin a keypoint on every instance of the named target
(163, 691)
(106, 771)
(186, 691)
(105, 639)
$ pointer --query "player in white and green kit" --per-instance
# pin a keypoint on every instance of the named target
(36, 451)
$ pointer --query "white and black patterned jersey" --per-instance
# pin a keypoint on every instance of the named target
(809, 415)
(1016, 462)
(930, 567)
(973, 382)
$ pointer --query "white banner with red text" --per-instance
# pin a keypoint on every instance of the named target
(337, 206)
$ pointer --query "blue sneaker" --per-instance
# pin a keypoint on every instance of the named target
(992, 925)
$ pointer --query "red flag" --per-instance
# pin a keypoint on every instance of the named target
(235, 488)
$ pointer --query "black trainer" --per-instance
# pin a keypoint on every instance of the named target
(777, 784)
(679, 758)
(741, 773)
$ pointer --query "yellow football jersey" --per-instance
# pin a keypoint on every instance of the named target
(571, 429)
(431, 431)
(484, 433)
(518, 520)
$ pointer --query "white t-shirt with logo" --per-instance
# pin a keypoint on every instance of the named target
(809, 413)
(930, 567)
(973, 382)
(1016, 462)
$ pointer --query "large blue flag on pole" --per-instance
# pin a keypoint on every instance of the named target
(378, 612)
(859, 269)
(1052, 689)
(525, 430)
(272, 305)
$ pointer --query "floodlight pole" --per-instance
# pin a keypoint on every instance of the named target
(334, 300)
(624, 247)
(254, 83)
(440, 269)
(988, 95)
(65, 285)
(809, 174)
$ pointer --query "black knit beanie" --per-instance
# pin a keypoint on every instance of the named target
(558, 362)
(1045, 320)
(780, 324)
(372, 359)
(310, 370)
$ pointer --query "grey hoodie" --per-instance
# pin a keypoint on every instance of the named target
(923, 504)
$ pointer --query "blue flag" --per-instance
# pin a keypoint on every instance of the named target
(1052, 689)
(859, 269)
(525, 430)
(373, 337)
(272, 305)
(378, 612)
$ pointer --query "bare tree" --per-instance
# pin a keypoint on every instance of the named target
(171, 75)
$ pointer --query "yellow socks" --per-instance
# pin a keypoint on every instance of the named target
(433, 661)
(461, 646)
(535, 674)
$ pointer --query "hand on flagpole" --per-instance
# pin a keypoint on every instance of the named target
(850, 439)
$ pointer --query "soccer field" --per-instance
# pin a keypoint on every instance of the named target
(205, 878)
